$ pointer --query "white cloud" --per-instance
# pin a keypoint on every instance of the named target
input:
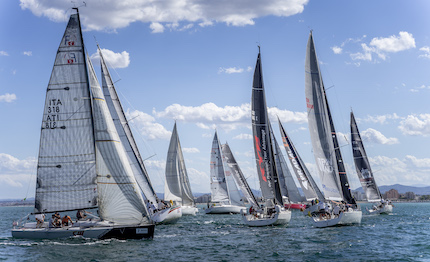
(416, 125)
(27, 53)
(230, 70)
(394, 44)
(16, 173)
(417, 89)
(426, 51)
(377, 137)
(423, 162)
(112, 59)
(113, 14)
(366, 55)
(381, 119)
(156, 27)
(337, 50)
(190, 150)
(243, 137)
(147, 126)
(3, 53)
(8, 98)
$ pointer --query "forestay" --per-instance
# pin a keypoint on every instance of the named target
(218, 182)
(362, 165)
(66, 173)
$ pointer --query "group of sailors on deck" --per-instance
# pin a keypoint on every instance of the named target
(326, 210)
(57, 221)
(161, 205)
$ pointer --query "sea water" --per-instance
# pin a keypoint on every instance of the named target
(401, 236)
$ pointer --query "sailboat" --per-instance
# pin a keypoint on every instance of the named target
(365, 174)
(225, 197)
(82, 163)
(310, 188)
(326, 149)
(273, 211)
(161, 212)
(177, 187)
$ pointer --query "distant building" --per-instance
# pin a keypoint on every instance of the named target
(391, 194)
(410, 195)
(358, 195)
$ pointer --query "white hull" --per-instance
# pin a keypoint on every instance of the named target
(85, 229)
(174, 214)
(160, 216)
(386, 209)
(280, 217)
(224, 209)
(189, 210)
(344, 218)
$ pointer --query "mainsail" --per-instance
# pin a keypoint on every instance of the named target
(125, 134)
(362, 165)
(238, 175)
(66, 171)
(320, 126)
(177, 186)
(219, 188)
(266, 166)
(307, 183)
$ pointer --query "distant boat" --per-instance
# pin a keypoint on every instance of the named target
(225, 197)
(177, 187)
(273, 211)
(161, 213)
(326, 149)
(365, 174)
(82, 163)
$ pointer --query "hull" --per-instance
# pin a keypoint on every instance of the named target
(97, 232)
(296, 206)
(174, 214)
(189, 210)
(224, 209)
(281, 217)
(345, 218)
(160, 216)
(386, 209)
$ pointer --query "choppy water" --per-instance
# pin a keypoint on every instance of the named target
(402, 236)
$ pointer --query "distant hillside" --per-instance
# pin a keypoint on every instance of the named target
(402, 189)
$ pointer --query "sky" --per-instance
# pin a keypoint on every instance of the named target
(192, 61)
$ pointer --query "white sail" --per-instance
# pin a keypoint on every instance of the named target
(219, 188)
(125, 134)
(66, 173)
(177, 187)
(120, 200)
(233, 191)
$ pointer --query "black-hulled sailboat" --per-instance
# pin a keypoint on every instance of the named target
(326, 149)
(365, 174)
(82, 163)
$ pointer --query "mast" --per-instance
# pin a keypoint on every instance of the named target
(362, 164)
(307, 183)
(263, 148)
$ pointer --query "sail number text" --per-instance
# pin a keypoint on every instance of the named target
(53, 108)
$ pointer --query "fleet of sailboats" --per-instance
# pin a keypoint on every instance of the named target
(88, 159)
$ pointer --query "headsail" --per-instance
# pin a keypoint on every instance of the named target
(219, 188)
(263, 149)
(238, 175)
(177, 186)
(307, 183)
(125, 134)
(320, 125)
(120, 200)
(66, 172)
(362, 165)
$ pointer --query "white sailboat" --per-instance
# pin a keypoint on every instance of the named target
(225, 198)
(177, 188)
(365, 173)
(273, 211)
(326, 150)
(82, 163)
(161, 212)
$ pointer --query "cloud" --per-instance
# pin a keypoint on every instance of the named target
(112, 59)
(210, 116)
(190, 150)
(416, 125)
(377, 137)
(16, 173)
(230, 70)
(381, 119)
(8, 98)
(113, 14)
(417, 89)
(337, 50)
(147, 126)
(156, 28)
(27, 53)
(3, 53)
(243, 137)
(426, 51)
(422, 163)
